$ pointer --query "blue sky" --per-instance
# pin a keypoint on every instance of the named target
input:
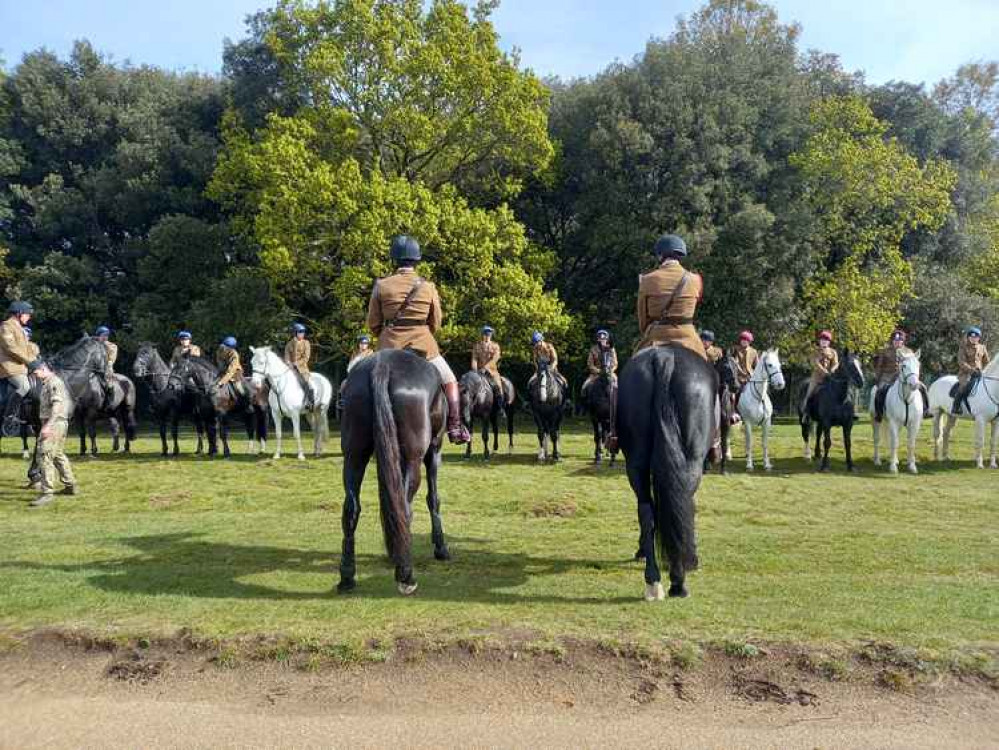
(914, 40)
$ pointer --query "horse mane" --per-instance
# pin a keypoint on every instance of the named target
(78, 352)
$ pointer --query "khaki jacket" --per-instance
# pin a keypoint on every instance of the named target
(655, 290)
(55, 402)
(416, 328)
(486, 356)
(544, 350)
(298, 353)
(34, 351)
(594, 362)
(112, 353)
(971, 358)
(824, 363)
(886, 363)
(179, 352)
(745, 362)
(230, 368)
(713, 354)
(14, 352)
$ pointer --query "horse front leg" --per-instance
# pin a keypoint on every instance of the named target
(174, 427)
(596, 440)
(993, 463)
(748, 434)
(826, 445)
(82, 425)
(353, 476)
(893, 430)
(163, 437)
(876, 428)
(224, 433)
(115, 434)
(979, 442)
(92, 433)
(432, 460)
(485, 438)
(556, 456)
(278, 427)
(494, 420)
(542, 444)
(765, 439)
(848, 447)
(913, 434)
(296, 428)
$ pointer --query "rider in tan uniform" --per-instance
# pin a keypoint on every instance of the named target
(297, 353)
(363, 351)
(971, 360)
(405, 312)
(542, 351)
(711, 351)
(825, 360)
(485, 357)
(595, 361)
(230, 368)
(15, 356)
(184, 348)
(668, 298)
(886, 369)
(746, 358)
(101, 334)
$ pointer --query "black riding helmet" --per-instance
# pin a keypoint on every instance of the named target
(20, 308)
(404, 247)
(670, 244)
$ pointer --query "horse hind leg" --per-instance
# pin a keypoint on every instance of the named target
(353, 475)
(432, 461)
(748, 434)
(893, 430)
(994, 462)
(876, 437)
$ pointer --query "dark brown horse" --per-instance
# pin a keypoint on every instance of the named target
(665, 425)
(394, 408)
(478, 401)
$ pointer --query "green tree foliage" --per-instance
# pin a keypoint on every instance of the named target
(415, 117)
(868, 192)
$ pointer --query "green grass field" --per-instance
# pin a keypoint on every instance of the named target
(251, 546)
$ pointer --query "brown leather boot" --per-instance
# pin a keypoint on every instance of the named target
(456, 431)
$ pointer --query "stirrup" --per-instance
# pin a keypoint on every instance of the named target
(458, 434)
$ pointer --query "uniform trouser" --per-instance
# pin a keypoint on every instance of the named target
(303, 380)
(52, 457)
(963, 391)
(446, 373)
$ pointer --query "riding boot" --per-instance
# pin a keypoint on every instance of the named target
(12, 415)
(926, 401)
(959, 397)
(456, 431)
(500, 398)
(879, 402)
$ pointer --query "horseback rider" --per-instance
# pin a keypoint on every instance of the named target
(601, 360)
(101, 334)
(668, 298)
(363, 351)
(542, 351)
(405, 312)
(184, 348)
(972, 356)
(486, 356)
(746, 358)
(230, 368)
(297, 353)
(825, 360)
(886, 369)
(15, 356)
(711, 351)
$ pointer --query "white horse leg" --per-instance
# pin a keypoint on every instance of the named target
(979, 442)
(876, 435)
(948, 428)
(748, 433)
(937, 434)
(913, 434)
(892, 444)
(296, 419)
(278, 421)
(993, 463)
(767, 466)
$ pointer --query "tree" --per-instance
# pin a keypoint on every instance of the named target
(410, 112)
(868, 192)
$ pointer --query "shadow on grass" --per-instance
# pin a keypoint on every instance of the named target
(183, 564)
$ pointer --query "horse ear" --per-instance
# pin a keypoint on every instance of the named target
(253, 350)
(919, 353)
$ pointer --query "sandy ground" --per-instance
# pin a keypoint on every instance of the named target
(61, 698)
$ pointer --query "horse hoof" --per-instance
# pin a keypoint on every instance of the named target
(654, 592)
(346, 585)
(442, 553)
(678, 591)
(276, 456)
(301, 456)
(914, 470)
(853, 470)
(639, 556)
(893, 470)
(25, 455)
(406, 589)
(768, 467)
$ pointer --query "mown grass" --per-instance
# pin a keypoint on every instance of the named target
(251, 546)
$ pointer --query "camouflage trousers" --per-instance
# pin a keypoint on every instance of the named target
(52, 458)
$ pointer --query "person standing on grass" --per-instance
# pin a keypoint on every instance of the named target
(55, 408)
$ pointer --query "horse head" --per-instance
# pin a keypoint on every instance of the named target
(908, 369)
(87, 354)
(726, 369)
(147, 361)
(770, 361)
(258, 364)
(854, 372)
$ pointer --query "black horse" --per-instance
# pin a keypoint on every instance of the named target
(82, 366)
(665, 426)
(168, 399)
(728, 391)
(547, 394)
(831, 405)
(478, 401)
(215, 405)
(394, 407)
(598, 403)
(24, 431)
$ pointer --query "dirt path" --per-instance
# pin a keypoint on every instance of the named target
(62, 698)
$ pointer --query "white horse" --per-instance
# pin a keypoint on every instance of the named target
(984, 404)
(903, 408)
(754, 405)
(287, 399)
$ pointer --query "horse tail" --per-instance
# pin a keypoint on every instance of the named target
(674, 480)
(392, 494)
